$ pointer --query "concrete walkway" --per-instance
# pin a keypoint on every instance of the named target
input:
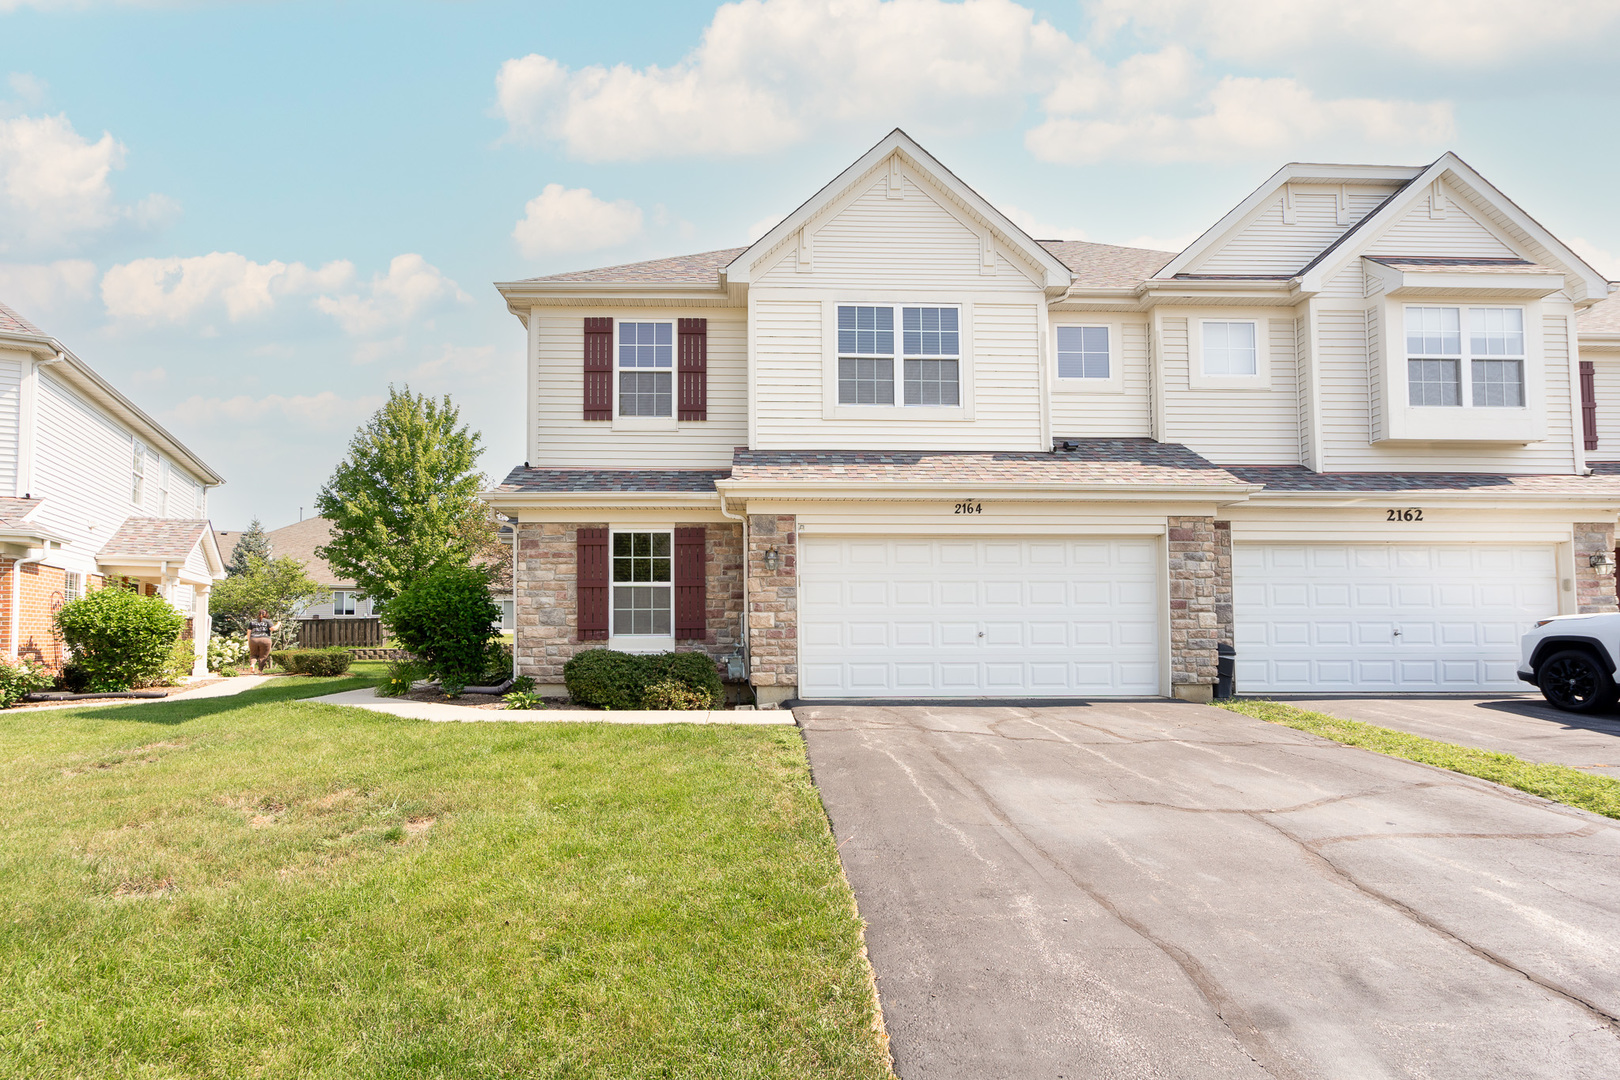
(438, 711)
(223, 688)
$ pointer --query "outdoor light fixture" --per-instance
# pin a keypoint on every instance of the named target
(772, 559)
(1600, 561)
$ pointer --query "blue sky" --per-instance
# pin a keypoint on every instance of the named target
(254, 217)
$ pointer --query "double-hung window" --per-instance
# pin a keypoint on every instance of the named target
(137, 484)
(927, 343)
(643, 584)
(1448, 366)
(646, 368)
(72, 586)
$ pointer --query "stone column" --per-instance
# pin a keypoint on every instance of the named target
(1223, 580)
(1594, 588)
(773, 607)
(202, 627)
(1194, 620)
(545, 601)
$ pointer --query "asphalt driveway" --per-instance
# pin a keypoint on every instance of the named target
(1168, 890)
(1520, 724)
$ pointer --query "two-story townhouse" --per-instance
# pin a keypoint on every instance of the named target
(93, 491)
(896, 448)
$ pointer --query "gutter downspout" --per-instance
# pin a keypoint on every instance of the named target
(514, 594)
(748, 659)
(16, 597)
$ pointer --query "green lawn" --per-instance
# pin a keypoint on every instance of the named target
(261, 886)
(1560, 783)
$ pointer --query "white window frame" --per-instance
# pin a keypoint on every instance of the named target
(1114, 383)
(650, 423)
(353, 598)
(832, 409)
(137, 485)
(1465, 359)
(1260, 380)
(165, 483)
(641, 643)
(72, 586)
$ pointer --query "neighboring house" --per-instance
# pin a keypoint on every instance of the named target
(896, 448)
(300, 540)
(92, 492)
(1599, 330)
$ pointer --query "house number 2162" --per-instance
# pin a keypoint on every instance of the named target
(969, 508)
(1411, 514)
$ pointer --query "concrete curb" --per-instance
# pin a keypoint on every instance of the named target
(443, 713)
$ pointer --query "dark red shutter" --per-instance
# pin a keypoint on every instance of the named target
(1589, 404)
(599, 369)
(691, 594)
(591, 567)
(692, 339)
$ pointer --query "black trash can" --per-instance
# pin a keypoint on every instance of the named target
(1225, 668)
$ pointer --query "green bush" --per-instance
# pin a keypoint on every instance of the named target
(226, 653)
(615, 680)
(523, 684)
(521, 699)
(120, 638)
(323, 662)
(182, 658)
(447, 621)
(397, 683)
(74, 679)
(671, 694)
(497, 664)
(19, 680)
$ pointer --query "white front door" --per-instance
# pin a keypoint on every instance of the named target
(978, 617)
(1386, 617)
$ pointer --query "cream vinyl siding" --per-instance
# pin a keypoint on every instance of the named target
(1347, 398)
(1458, 234)
(562, 439)
(914, 242)
(789, 362)
(1233, 427)
(197, 563)
(10, 423)
(1305, 414)
(1266, 245)
(1091, 415)
(1606, 383)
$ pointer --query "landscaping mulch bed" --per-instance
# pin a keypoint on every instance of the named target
(467, 701)
(144, 694)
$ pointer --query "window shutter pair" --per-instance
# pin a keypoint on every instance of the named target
(1589, 404)
(595, 586)
(691, 369)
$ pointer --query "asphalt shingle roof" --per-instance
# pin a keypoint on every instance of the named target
(1105, 266)
(1602, 317)
(524, 480)
(700, 269)
(12, 511)
(1452, 262)
(1123, 462)
(13, 323)
(1605, 481)
(155, 538)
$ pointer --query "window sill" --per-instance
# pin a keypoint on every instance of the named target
(1111, 385)
(891, 413)
(645, 423)
(641, 643)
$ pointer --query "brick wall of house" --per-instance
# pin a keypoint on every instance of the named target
(546, 609)
(1594, 588)
(1195, 626)
(773, 601)
(38, 599)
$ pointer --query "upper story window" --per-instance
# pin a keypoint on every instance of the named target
(1082, 352)
(1446, 367)
(646, 369)
(643, 584)
(1230, 347)
(137, 485)
(930, 355)
(165, 483)
(344, 602)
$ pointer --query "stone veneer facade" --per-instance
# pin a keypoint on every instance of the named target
(547, 598)
(1196, 594)
(1594, 587)
(773, 606)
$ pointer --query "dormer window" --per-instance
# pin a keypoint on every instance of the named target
(1447, 367)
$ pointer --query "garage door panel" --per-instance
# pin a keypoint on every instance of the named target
(1459, 610)
(998, 616)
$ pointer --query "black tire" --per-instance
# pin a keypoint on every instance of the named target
(1574, 681)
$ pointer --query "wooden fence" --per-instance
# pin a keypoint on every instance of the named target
(323, 633)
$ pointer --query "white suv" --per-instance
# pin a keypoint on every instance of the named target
(1572, 659)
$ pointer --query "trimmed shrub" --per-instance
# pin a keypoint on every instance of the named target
(397, 683)
(182, 658)
(497, 664)
(74, 679)
(19, 680)
(447, 621)
(671, 694)
(120, 638)
(523, 684)
(520, 699)
(616, 680)
(322, 662)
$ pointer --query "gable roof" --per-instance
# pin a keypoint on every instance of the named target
(299, 540)
(13, 323)
(1107, 266)
(1602, 319)
(157, 540)
(703, 268)
(897, 142)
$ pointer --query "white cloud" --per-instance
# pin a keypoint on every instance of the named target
(28, 92)
(1243, 117)
(560, 220)
(1601, 259)
(1464, 33)
(41, 288)
(53, 182)
(323, 410)
(176, 289)
(411, 286)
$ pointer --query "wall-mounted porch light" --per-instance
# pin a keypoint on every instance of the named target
(1600, 561)
(772, 559)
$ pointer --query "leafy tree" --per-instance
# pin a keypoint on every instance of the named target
(278, 587)
(447, 621)
(119, 638)
(252, 543)
(405, 500)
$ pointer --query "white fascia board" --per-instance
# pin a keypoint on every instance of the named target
(1058, 276)
(29, 535)
(1531, 285)
(887, 491)
(83, 377)
(514, 500)
(1449, 164)
(1262, 196)
(42, 347)
(520, 296)
(210, 546)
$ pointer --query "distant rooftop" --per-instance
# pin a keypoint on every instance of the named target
(13, 323)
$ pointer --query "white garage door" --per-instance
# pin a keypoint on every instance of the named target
(1390, 617)
(977, 617)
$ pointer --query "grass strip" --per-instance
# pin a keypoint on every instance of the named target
(1559, 783)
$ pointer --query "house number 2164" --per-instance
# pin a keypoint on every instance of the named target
(1411, 514)
(969, 508)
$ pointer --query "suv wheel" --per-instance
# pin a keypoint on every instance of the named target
(1574, 681)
